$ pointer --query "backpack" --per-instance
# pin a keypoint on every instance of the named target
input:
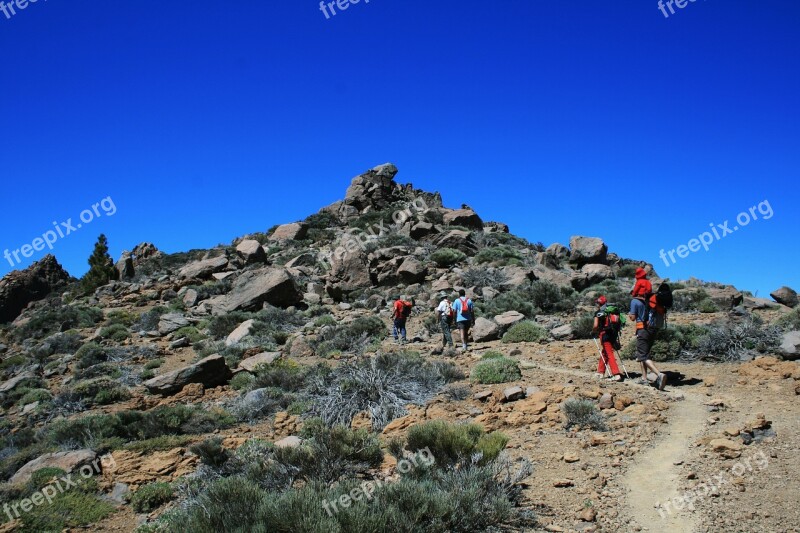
(405, 311)
(659, 303)
(465, 310)
(614, 320)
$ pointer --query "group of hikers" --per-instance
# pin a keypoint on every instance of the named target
(647, 310)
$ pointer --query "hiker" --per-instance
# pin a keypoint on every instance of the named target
(606, 326)
(445, 314)
(465, 316)
(401, 310)
(647, 323)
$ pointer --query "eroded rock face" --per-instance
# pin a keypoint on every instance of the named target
(66, 461)
(21, 287)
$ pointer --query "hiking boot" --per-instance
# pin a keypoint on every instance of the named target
(661, 381)
(617, 378)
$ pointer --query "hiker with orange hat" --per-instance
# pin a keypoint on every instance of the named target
(608, 334)
(646, 328)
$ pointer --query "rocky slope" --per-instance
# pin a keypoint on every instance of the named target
(211, 329)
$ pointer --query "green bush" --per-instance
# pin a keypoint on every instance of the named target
(496, 370)
(538, 297)
(90, 354)
(354, 337)
(492, 354)
(790, 321)
(447, 257)
(151, 496)
(672, 343)
(152, 365)
(499, 255)
(627, 271)
(582, 327)
(707, 306)
(325, 320)
(583, 414)
(191, 333)
(115, 332)
(55, 317)
(455, 444)
(242, 381)
(43, 477)
(525, 332)
(211, 452)
(70, 509)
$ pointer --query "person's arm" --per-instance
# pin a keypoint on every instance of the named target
(596, 325)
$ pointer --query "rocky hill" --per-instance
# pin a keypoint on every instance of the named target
(258, 384)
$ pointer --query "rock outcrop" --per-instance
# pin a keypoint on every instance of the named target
(21, 287)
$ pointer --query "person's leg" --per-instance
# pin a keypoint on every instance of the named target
(395, 329)
(608, 351)
(448, 336)
(403, 329)
(462, 327)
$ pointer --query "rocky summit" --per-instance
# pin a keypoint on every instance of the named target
(261, 382)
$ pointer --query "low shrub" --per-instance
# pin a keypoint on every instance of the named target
(790, 321)
(525, 332)
(733, 340)
(485, 277)
(354, 337)
(115, 332)
(211, 452)
(382, 385)
(583, 414)
(447, 257)
(582, 327)
(90, 354)
(496, 370)
(499, 255)
(151, 496)
(455, 444)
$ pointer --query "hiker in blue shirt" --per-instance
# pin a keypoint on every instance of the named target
(465, 316)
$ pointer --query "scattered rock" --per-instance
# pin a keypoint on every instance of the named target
(251, 251)
(203, 269)
(790, 345)
(252, 289)
(210, 372)
(251, 363)
(485, 330)
(239, 334)
(563, 483)
(66, 461)
(585, 250)
(606, 401)
(786, 296)
(171, 322)
(571, 458)
(464, 217)
(289, 442)
(562, 332)
(290, 232)
(483, 395)
(512, 394)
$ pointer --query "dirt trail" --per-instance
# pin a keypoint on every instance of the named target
(653, 478)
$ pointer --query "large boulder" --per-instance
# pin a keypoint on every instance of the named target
(171, 322)
(457, 239)
(464, 217)
(587, 250)
(209, 372)
(726, 298)
(204, 268)
(508, 319)
(290, 232)
(14, 382)
(21, 287)
(349, 272)
(786, 296)
(66, 461)
(251, 290)
(375, 188)
(485, 330)
(251, 251)
(597, 273)
(790, 345)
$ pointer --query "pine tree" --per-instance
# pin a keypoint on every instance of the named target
(101, 267)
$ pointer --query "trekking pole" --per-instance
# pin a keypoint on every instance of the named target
(619, 358)
(603, 357)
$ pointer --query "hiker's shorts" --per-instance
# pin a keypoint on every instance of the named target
(464, 326)
(645, 338)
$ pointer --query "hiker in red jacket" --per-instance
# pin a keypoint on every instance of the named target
(642, 287)
(401, 310)
(602, 327)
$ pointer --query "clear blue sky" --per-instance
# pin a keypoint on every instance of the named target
(207, 120)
